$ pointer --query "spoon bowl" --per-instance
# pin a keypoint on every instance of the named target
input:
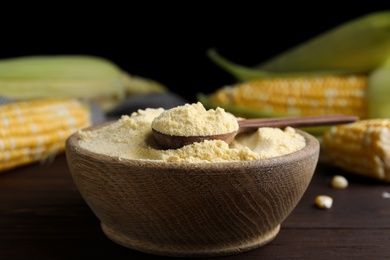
(168, 141)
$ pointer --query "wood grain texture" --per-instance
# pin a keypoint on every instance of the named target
(43, 216)
(192, 210)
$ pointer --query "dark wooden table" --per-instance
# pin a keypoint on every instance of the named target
(43, 216)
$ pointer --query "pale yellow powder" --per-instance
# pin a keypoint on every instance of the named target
(195, 120)
(270, 142)
(131, 137)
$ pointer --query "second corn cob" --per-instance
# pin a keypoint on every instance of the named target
(344, 70)
(35, 130)
(362, 147)
(297, 96)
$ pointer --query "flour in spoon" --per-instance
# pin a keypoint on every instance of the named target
(195, 120)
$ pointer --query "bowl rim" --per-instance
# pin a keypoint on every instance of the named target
(312, 146)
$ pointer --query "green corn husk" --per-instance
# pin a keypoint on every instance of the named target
(378, 92)
(357, 46)
(78, 76)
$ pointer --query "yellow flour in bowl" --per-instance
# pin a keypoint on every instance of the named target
(131, 137)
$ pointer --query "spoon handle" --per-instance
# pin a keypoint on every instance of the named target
(254, 123)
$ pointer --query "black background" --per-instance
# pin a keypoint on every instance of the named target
(168, 43)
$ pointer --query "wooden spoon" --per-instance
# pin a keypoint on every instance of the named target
(173, 142)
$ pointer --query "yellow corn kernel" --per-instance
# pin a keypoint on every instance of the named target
(362, 147)
(299, 96)
(36, 130)
(339, 182)
(324, 201)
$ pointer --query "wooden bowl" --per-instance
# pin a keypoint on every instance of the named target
(191, 209)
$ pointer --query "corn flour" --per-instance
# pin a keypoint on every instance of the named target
(130, 137)
(194, 119)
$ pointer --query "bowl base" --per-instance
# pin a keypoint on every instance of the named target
(189, 251)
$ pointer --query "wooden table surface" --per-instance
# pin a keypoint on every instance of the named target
(43, 216)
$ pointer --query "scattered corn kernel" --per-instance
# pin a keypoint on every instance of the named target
(324, 201)
(339, 182)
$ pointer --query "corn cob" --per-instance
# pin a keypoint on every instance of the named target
(36, 130)
(356, 53)
(70, 76)
(298, 96)
(362, 147)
